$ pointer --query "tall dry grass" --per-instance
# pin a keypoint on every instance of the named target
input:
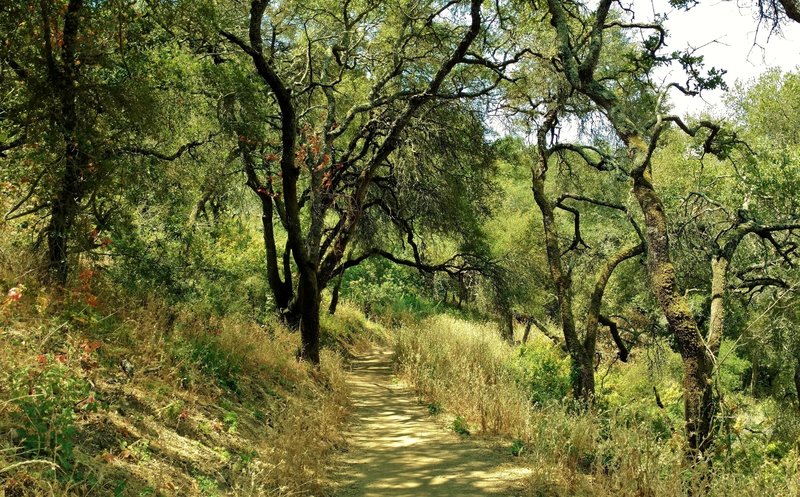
(468, 370)
(217, 405)
(464, 367)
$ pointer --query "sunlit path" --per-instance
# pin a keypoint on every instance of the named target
(397, 450)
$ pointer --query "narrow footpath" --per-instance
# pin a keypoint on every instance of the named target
(397, 450)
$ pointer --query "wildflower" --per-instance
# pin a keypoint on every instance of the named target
(15, 294)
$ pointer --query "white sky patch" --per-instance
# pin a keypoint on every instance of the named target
(731, 39)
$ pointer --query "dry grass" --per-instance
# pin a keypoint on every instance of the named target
(466, 369)
(215, 407)
(462, 366)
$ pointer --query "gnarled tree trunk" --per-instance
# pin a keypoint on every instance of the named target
(699, 408)
(582, 364)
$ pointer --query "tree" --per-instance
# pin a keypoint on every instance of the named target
(638, 123)
(83, 104)
(330, 157)
(581, 349)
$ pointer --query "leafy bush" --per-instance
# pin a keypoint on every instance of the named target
(541, 373)
(460, 426)
(46, 400)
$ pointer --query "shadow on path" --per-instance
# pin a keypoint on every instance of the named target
(397, 450)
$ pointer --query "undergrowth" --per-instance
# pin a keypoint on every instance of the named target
(101, 394)
(626, 446)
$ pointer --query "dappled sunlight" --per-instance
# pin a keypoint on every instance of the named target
(396, 449)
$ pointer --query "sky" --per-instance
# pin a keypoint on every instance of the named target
(731, 39)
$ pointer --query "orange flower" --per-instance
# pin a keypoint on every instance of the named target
(15, 294)
(90, 346)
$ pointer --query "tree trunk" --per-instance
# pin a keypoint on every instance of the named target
(309, 300)
(280, 293)
(67, 199)
(582, 376)
(62, 217)
(719, 283)
(622, 349)
(593, 317)
(335, 296)
(527, 333)
(797, 380)
(507, 326)
(698, 400)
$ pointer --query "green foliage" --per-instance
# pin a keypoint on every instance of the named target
(208, 486)
(382, 288)
(47, 401)
(517, 447)
(434, 408)
(542, 373)
(231, 420)
(204, 353)
(460, 426)
(733, 369)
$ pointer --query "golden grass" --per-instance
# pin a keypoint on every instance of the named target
(463, 367)
(176, 427)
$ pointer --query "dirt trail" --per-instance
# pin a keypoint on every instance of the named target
(397, 450)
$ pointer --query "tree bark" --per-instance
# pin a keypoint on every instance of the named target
(309, 299)
(698, 400)
(719, 284)
(335, 296)
(792, 9)
(527, 333)
(797, 380)
(63, 81)
(593, 317)
(622, 349)
(507, 327)
(582, 376)
(280, 292)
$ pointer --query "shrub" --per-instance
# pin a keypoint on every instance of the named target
(460, 426)
(46, 399)
(541, 373)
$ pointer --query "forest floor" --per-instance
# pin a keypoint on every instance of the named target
(397, 449)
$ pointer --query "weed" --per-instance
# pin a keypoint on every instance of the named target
(434, 408)
(46, 398)
(208, 486)
(460, 426)
(517, 446)
(231, 420)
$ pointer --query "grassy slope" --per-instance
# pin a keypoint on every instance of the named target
(214, 406)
